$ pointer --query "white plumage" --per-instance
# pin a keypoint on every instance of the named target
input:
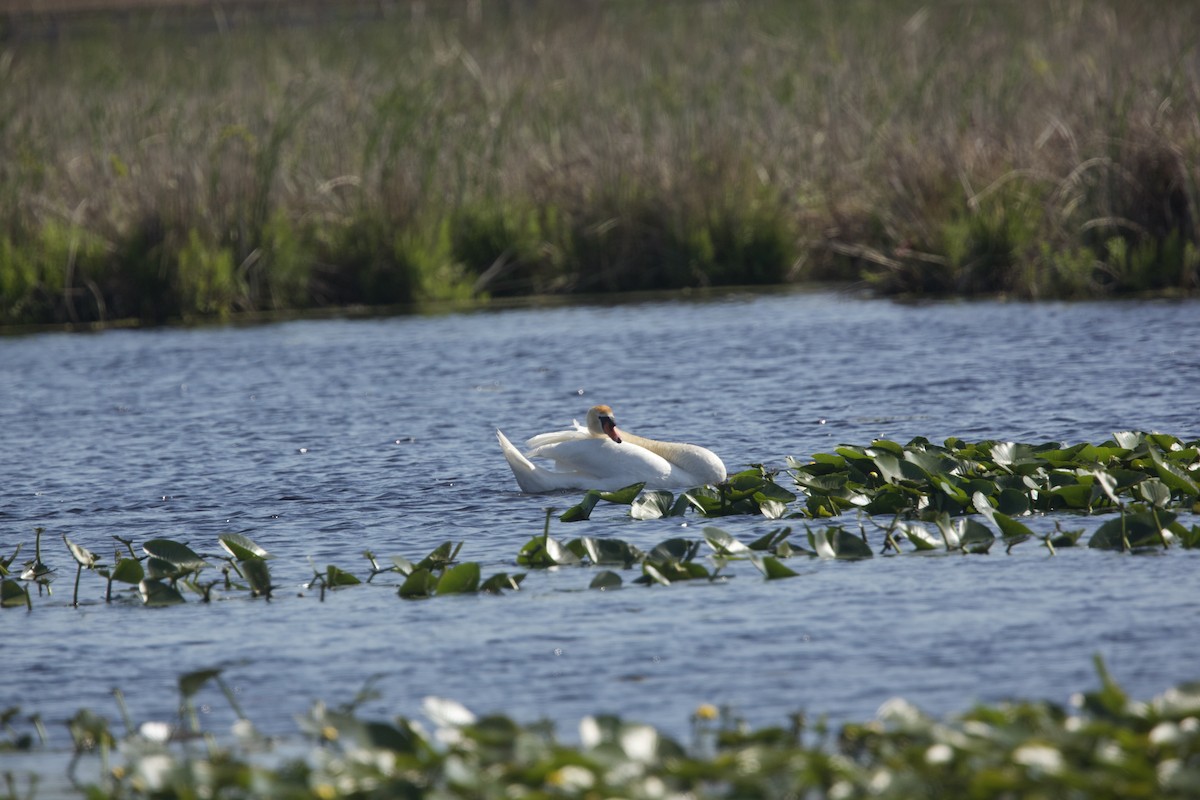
(598, 456)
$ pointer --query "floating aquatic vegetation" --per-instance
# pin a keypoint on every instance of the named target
(1102, 745)
(922, 478)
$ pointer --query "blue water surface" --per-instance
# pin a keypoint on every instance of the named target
(324, 439)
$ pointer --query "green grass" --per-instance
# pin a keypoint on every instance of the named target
(151, 170)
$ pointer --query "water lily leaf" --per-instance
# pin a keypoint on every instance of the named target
(127, 570)
(649, 571)
(723, 543)
(651, 505)
(1012, 502)
(676, 549)
(583, 510)
(1155, 492)
(241, 547)
(1061, 538)
(441, 556)
(420, 583)
(623, 496)
(1173, 477)
(158, 569)
(837, 542)
(336, 576)
(1129, 440)
(1074, 496)
(891, 499)
(192, 682)
(84, 557)
(920, 537)
(975, 537)
(609, 551)
(932, 463)
(13, 594)
(1014, 457)
(156, 593)
(403, 565)
(771, 540)
(541, 552)
(605, 580)
(1133, 531)
(460, 579)
(769, 508)
(772, 568)
(501, 582)
(176, 553)
(895, 471)
(1013, 532)
(257, 575)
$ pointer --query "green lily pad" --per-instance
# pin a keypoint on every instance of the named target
(459, 579)
(623, 496)
(502, 582)
(240, 547)
(175, 553)
(772, 568)
(420, 583)
(257, 575)
(13, 593)
(607, 579)
(582, 511)
(336, 576)
(128, 570)
(156, 593)
(84, 557)
(192, 682)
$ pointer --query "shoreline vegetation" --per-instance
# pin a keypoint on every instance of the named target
(1104, 744)
(211, 160)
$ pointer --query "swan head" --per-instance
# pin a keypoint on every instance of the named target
(601, 422)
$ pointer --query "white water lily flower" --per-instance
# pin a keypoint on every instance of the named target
(571, 777)
(880, 782)
(640, 743)
(939, 753)
(153, 771)
(1039, 756)
(1166, 771)
(589, 733)
(447, 713)
(1165, 733)
(899, 711)
(156, 731)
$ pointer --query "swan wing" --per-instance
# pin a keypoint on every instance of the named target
(534, 479)
(618, 464)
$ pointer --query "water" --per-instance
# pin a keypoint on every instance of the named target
(322, 439)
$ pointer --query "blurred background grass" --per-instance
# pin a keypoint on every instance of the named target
(199, 160)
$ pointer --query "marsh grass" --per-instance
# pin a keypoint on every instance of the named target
(443, 151)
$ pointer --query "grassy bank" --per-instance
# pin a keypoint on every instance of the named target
(441, 151)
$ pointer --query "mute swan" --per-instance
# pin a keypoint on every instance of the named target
(598, 456)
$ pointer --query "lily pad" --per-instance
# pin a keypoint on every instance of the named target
(175, 553)
(156, 593)
(459, 579)
(772, 568)
(84, 557)
(607, 579)
(420, 583)
(240, 547)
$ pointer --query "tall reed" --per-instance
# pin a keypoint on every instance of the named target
(157, 171)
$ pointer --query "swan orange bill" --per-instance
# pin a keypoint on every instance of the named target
(610, 428)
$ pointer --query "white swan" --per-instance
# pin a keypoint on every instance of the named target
(598, 456)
